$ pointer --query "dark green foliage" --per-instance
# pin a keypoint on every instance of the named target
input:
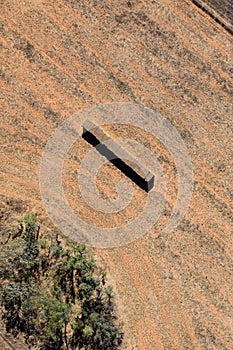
(53, 295)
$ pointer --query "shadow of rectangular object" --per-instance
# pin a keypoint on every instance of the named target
(118, 156)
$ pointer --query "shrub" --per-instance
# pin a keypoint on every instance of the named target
(51, 292)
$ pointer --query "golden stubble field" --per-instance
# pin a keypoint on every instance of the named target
(173, 291)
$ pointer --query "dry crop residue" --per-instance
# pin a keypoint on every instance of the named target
(173, 291)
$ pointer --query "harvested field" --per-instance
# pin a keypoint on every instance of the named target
(173, 291)
(221, 11)
(9, 342)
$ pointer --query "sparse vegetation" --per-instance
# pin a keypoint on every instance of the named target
(53, 294)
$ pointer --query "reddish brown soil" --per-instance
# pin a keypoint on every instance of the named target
(173, 291)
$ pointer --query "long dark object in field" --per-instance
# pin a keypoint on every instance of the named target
(117, 156)
(220, 11)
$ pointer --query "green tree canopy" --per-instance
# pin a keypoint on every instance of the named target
(52, 293)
